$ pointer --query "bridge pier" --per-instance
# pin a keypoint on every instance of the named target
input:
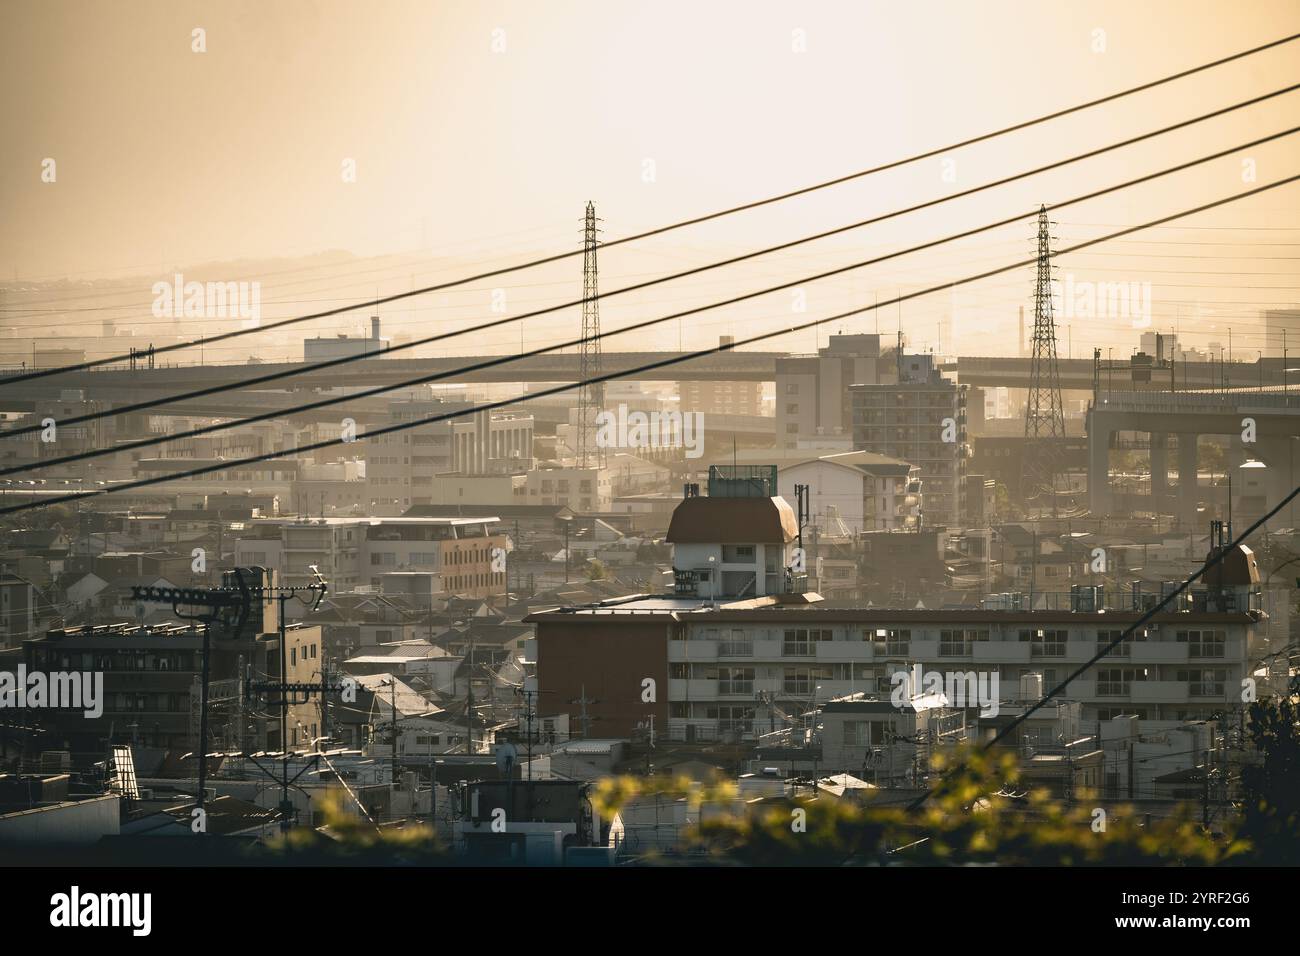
(1159, 458)
(1188, 482)
(1100, 500)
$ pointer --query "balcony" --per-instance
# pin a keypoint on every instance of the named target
(924, 649)
(692, 730)
(845, 651)
(1208, 690)
(1157, 652)
(736, 649)
(692, 650)
(1133, 691)
(1000, 652)
(692, 689)
(1158, 691)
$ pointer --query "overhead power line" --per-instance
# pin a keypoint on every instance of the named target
(513, 357)
(696, 270)
(609, 376)
(660, 230)
(1214, 559)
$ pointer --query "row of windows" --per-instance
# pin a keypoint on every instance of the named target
(128, 661)
(958, 641)
(308, 653)
(461, 581)
(1201, 681)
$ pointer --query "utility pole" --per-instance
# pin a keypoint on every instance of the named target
(469, 704)
(228, 606)
(583, 719)
(1205, 792)
(284, 691)
(566, 550)
(392, 686)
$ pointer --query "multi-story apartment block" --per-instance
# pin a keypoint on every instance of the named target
(721, 398)
(812, 401)
(18, 608)
(150, 682)
(56, 440)
(402, 467)
(922, 422)
(583, 490)
(737, 665)
(357, 552)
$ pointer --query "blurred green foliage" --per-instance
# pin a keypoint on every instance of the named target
(981, 815)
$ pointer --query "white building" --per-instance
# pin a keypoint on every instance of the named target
(868, 492)
(352, 552)
(323, 348)
(583, 490)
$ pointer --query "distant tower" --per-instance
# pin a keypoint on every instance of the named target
(591, 398)
(1044, 417)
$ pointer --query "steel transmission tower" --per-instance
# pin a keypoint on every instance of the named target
(591, 398)
(1044, 416)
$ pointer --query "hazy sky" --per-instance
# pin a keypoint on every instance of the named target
(480, 129)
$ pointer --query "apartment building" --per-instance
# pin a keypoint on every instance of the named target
(583, 490)
(863, 490)
(19, 608)
(151, 673)
(402, 467)
(812, 401)
(922, 422)
(54, 440)
(721, 398)
(358, 552)
(735, 667)
(748, 662)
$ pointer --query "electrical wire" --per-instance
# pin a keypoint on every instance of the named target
(512, 357)
(610, 376)
(894, 164)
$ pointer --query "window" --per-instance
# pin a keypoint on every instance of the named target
(802, 681)
(738, 554)
(1204, 643)
(731, 717)
(738, 644)
(1120, 650)
(1045, 643)
(1204, 681)
(735, 680)
(857, 733)
(957, 643)
(1115, 681)
(803, 643)
(894, 642)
